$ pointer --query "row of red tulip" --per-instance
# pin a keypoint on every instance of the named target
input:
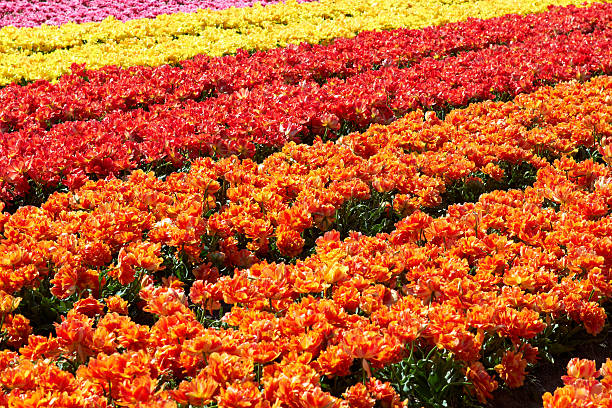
(91, 94)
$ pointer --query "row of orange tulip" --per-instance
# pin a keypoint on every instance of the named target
(503, 267)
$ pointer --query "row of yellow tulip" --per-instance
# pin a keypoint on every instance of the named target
(48, 51)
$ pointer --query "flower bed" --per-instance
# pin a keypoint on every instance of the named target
(404, 218)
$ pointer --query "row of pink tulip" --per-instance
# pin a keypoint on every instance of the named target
(29, 13)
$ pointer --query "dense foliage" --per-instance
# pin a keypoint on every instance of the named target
(401, 218)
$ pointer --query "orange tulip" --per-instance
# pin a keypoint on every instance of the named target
(483, 384)
(512, 368)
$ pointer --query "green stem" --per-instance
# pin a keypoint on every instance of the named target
(454, 383)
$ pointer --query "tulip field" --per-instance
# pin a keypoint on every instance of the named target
(305, 204)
